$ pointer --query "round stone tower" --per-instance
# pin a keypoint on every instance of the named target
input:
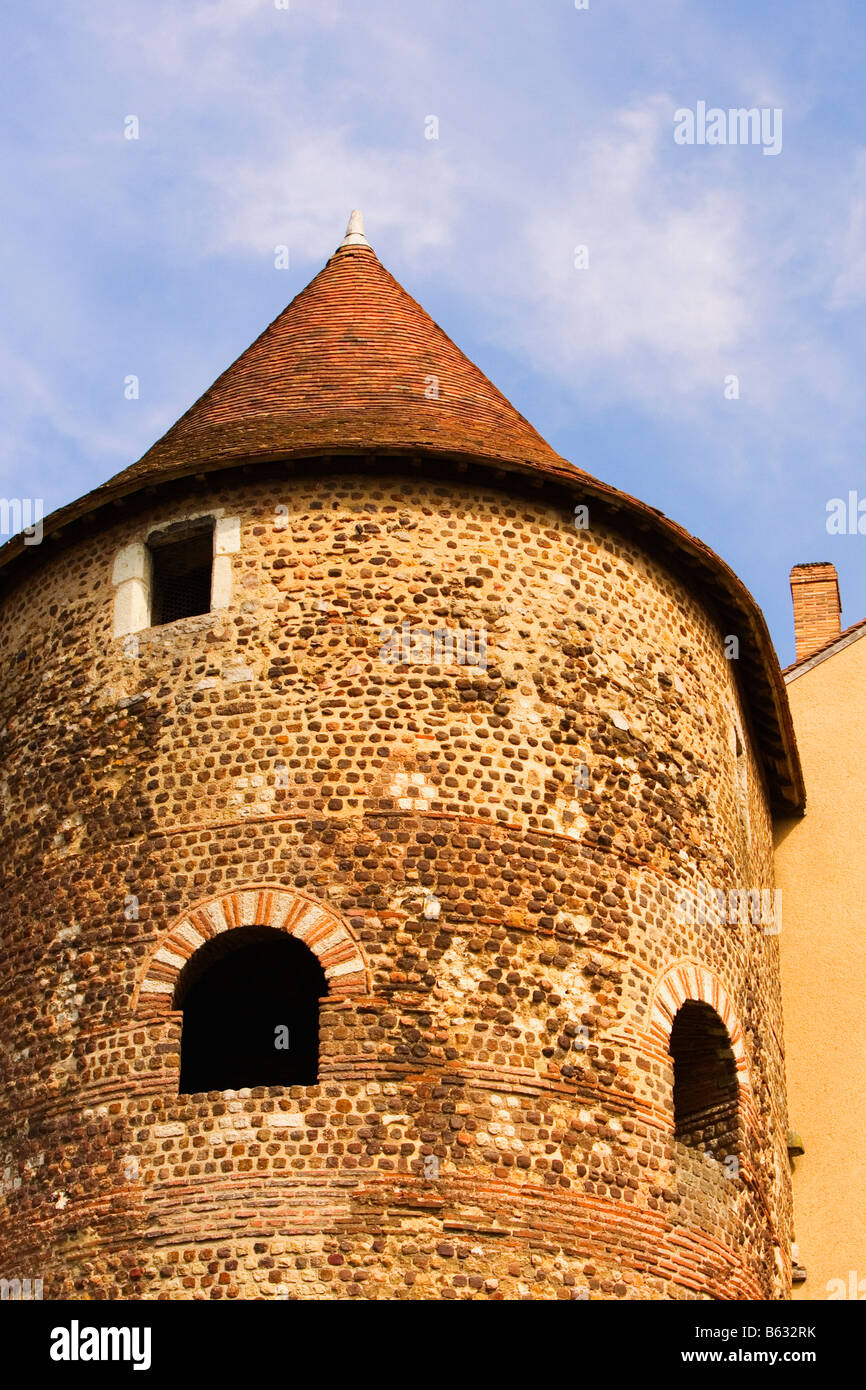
(385, 806)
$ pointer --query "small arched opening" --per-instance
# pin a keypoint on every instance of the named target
(250, 1001)
(706, 1089)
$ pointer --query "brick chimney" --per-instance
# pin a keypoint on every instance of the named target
(817, 607)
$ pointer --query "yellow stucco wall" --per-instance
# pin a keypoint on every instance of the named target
(821, 869)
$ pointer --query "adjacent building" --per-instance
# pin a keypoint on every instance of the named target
(819, 861)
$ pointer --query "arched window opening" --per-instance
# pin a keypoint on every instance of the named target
(706, 1091)
(250, 1001)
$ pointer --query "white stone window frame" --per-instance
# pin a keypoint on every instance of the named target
(132, 575)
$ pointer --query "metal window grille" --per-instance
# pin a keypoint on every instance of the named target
(181, 577)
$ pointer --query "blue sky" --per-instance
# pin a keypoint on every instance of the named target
(261, 126)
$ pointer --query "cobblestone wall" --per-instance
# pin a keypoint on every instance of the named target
(495, 1110)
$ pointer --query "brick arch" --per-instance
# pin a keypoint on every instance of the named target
(260, 905)
(690, 981)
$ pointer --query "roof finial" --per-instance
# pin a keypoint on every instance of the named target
(355, 231)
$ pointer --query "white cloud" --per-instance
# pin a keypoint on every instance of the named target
(664, 303)
(848, 249)
(302, 197)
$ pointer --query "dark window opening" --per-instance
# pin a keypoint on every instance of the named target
(250, 1001)
(706, 1092)
(182, 569)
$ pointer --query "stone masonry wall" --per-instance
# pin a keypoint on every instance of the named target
(494, 1116)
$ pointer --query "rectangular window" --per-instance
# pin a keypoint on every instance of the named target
(182, 571)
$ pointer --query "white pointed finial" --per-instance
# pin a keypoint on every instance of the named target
(355, 231)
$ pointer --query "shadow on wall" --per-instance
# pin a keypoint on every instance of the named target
(706, 1092)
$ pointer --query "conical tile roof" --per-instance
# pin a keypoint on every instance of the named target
(353, 362)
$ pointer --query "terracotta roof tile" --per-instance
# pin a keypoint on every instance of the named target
(353, 361)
